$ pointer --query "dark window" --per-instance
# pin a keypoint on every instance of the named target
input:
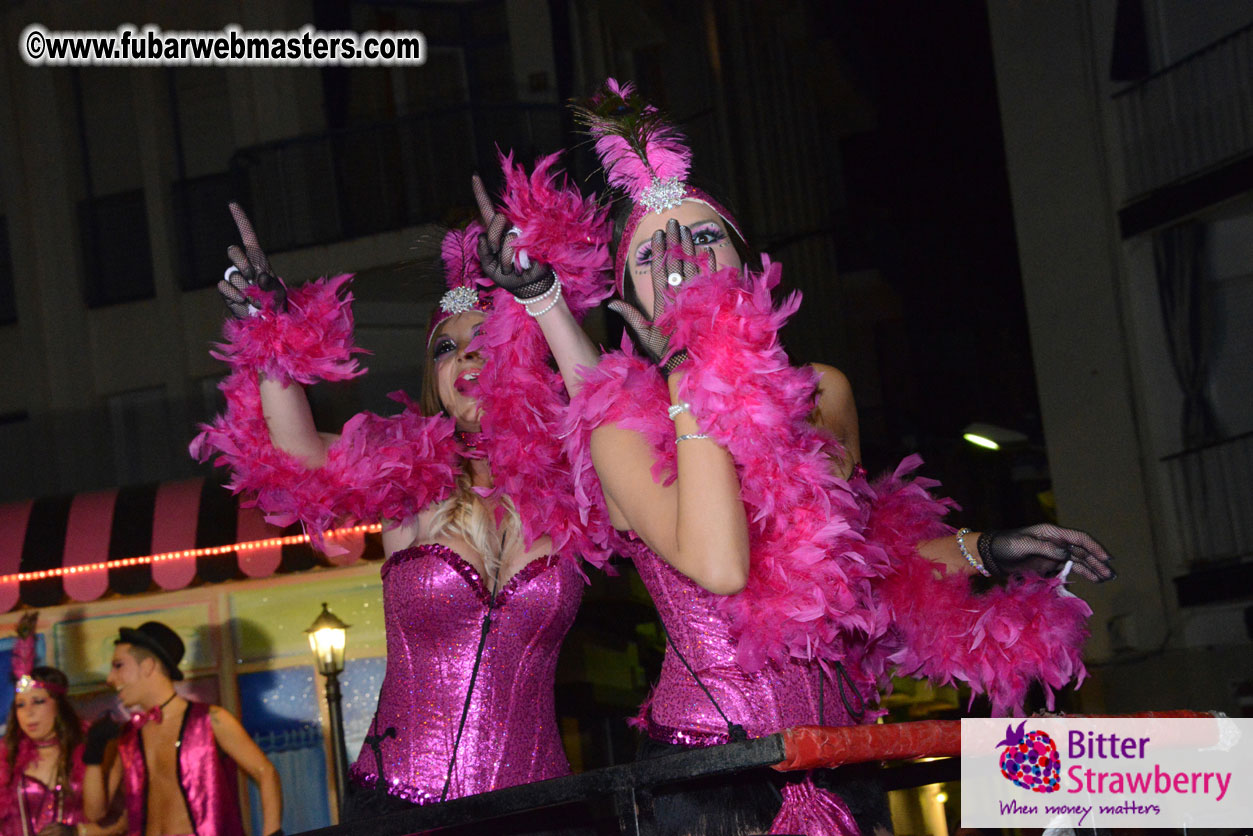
(200, 117)
(8, 303)
(117, 258)
(113, 214)
(203, 227)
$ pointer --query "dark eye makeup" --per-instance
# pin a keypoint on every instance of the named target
(704, 234)
(442, 346)
(708, 234)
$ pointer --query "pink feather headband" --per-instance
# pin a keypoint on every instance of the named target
(468, 288)
(643, 155)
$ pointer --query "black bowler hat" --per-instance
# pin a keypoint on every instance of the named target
(161, 640)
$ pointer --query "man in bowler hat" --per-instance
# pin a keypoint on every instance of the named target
(176, 758)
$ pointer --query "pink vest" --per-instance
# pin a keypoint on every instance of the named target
(205, 773)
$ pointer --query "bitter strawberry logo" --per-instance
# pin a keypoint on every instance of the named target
(1030, 760)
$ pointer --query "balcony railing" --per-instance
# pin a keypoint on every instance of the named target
(1213, 489)
(1188, 117)
(362, 181)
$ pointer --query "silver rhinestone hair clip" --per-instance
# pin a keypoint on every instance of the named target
(661, 195)
(459, 300)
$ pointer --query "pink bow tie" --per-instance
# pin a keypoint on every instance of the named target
(152, 715)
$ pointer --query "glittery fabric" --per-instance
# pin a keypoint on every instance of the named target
(42, 803)
(206, 775)
(773, 698)
(434, 607)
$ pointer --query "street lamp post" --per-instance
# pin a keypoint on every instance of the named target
(327, 636)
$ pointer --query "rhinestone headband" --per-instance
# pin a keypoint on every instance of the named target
(28, 682)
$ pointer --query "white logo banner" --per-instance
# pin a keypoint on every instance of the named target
(1046, 772)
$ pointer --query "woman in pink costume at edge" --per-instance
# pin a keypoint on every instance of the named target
(41, 773)
(788, 584)
(481, 527)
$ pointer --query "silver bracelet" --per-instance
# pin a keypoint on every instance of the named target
(550, 305)
(690, 437)
(961, 546)
(676, 408)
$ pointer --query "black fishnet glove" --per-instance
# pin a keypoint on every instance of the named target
(104, 729)
(1044, 549)
(250, 267)
(673, 262)
(496, 253)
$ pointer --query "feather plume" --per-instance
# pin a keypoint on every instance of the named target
(460, 256)
(23, 658)
(636, 143)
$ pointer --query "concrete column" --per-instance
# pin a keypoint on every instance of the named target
(1048, 78)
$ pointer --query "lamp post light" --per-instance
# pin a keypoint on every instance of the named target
(327, 636)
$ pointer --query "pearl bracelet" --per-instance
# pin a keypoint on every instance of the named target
(677, 408)
(961, 546)
(550, 305)
(555, 288)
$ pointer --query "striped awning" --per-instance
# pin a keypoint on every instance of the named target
(148, 538)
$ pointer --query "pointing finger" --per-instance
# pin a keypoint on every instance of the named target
(486, 210)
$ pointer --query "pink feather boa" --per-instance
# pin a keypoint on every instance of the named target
(523, 401)
(798, 602)
(635, 145)
(835, 573)
(561, 228)
(379, 468)
(311, 342)
(523, 398)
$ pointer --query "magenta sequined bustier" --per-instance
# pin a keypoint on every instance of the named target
(763, 702)
(434, 604)
(43, 806)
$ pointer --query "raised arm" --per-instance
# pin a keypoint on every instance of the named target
(277, 342)
(537, 288)
(249, 287)
(236, 743)
(548, 247)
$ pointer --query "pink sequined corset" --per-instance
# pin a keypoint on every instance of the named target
(43, 805)
(434, 603)
(763, 702)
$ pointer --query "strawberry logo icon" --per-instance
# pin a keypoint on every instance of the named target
(1030, 759)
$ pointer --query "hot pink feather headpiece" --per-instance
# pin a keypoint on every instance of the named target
(468, 288)
(23, 659)
(645, 156)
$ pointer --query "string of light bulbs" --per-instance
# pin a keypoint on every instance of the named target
(183, 554)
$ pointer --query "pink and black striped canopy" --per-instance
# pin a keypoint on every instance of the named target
(90, 528)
